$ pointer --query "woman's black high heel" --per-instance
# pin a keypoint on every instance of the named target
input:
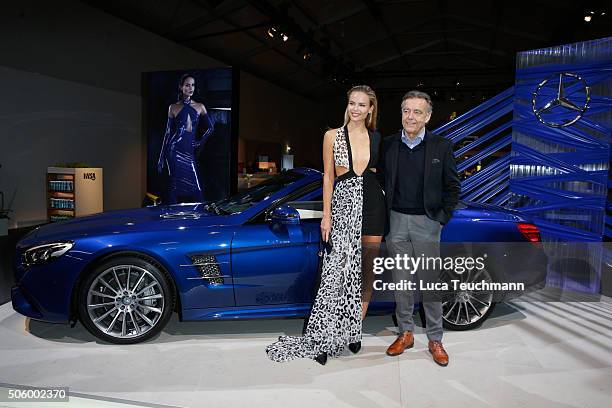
(321, 358)
(355, 347)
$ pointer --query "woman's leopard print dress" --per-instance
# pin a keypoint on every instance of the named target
(335, 318)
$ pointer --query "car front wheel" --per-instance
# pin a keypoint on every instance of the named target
(126, 300)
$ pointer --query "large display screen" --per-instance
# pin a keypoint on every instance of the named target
(188, 119)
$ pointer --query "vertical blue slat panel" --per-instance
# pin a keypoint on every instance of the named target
(560, 158)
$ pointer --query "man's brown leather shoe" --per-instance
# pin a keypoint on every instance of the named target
(438, 353)
(404, 341)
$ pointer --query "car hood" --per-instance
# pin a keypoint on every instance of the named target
(158, 218)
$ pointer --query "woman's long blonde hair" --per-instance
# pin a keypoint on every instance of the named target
(371, 119)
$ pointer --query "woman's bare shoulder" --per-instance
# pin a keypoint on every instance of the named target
(330, 134)
(174, 109)
(199, 107)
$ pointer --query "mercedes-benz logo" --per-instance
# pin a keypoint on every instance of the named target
(561, 105)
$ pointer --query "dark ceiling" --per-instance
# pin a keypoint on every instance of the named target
(392, 45)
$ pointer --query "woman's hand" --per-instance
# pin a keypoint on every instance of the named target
(326, 227)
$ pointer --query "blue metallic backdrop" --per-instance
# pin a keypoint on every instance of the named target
(482, 137)
(560, 160)
(558, 169)
(559, 175)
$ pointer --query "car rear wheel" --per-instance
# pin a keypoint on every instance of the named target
(126, 300)
(467, 309)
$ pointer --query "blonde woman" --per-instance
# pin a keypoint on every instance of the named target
(353, 214)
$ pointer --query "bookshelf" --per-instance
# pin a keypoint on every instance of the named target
(73, 192)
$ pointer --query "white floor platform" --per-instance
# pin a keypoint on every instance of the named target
(527, 355)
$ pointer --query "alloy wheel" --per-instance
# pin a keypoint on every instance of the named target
(466, 309)
(125, 301)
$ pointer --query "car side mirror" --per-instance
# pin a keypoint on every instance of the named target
(284, 214)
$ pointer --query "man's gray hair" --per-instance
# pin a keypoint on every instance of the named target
(420, 95)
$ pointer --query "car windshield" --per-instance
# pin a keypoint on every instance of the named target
(247, 198)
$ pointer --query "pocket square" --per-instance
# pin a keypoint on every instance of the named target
(435, 161)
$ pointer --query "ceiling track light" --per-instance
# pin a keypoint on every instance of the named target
(590, 14)
(272, 32)
(278, 32)
(304, 52)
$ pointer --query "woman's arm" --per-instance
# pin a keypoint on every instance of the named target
(166, 142)
(328, 181)
(210, 128)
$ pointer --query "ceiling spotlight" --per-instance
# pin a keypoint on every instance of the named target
(272, 32)
(285, 37)
(304, 51)
(419, 85)
(588, 18)
(458, 83)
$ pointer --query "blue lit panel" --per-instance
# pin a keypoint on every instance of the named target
(561, 132)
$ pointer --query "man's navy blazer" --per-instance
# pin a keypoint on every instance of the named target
(441, 185)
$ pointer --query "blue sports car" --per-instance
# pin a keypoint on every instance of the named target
(253, 255)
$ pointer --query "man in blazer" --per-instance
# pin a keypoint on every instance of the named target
(421, 190)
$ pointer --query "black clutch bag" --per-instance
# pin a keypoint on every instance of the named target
(324, 247)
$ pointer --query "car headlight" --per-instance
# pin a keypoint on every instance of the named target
(44, 253)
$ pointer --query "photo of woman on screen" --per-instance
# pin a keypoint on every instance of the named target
(182, 143)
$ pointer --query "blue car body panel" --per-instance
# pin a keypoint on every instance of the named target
(289, 277)
(268, 269)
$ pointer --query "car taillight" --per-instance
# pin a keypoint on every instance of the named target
(529, 231)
